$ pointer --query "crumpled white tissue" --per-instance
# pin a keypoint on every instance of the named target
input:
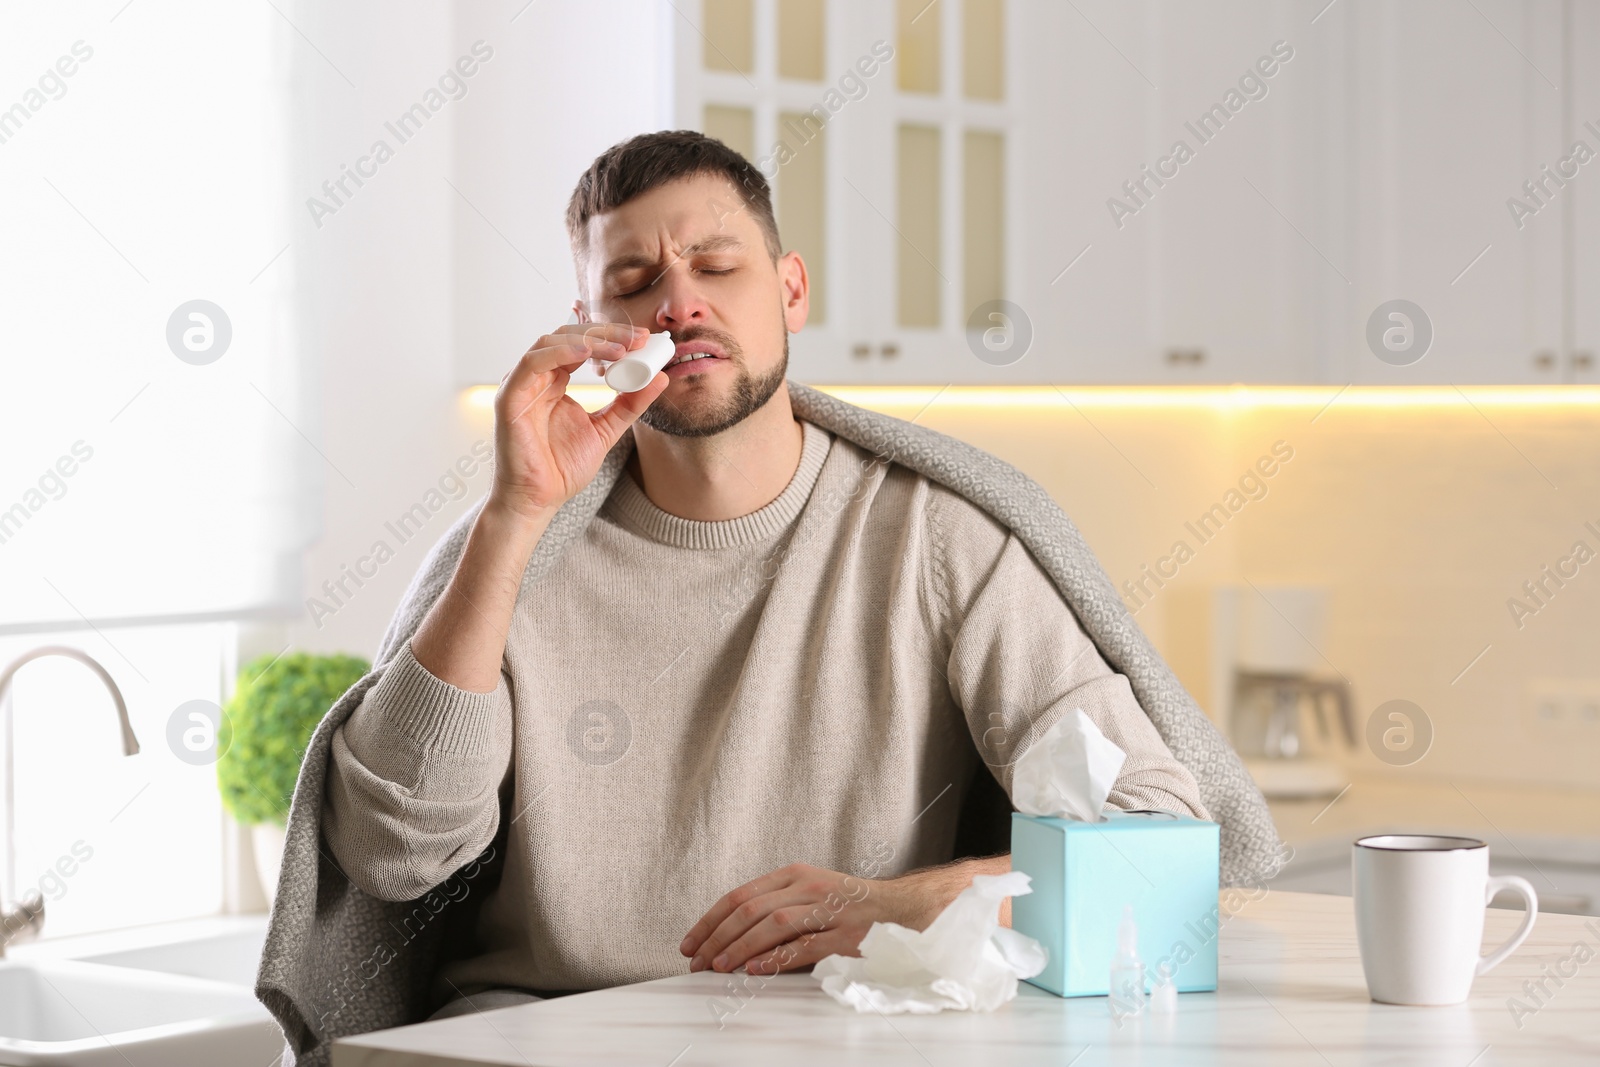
(1069, 772)
(965, 960)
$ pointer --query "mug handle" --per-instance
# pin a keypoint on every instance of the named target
(1529, 898)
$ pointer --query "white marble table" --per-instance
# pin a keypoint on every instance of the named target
(1291, 993)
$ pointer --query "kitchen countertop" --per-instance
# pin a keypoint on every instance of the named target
(1488, 811)
(132, 938)
(1291, 992)
(1549, 836)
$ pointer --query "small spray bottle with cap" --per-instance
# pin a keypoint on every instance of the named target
(1127, 969)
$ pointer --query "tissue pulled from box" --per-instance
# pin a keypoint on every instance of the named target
(964, 961)
(1067, 773)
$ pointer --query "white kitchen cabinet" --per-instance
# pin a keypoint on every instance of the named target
(1242, 247)
(1453, 108)
(1374, 163)
(888, 131)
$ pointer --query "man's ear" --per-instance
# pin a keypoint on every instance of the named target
(578, 310)
(795, 287)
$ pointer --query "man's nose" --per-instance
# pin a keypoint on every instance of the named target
(682, 303)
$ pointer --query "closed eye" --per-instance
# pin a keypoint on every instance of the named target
(699, 270)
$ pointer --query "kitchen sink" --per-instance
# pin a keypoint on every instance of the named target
(151, 998)
(224, 957)
(75, 1014)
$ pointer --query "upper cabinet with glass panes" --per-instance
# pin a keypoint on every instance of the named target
(883, 129)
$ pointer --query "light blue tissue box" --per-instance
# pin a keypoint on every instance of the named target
(1082, 875)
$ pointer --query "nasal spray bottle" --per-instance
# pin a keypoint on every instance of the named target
(636, 370)
(1127, 970)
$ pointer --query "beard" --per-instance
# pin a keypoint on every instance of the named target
(701, 416)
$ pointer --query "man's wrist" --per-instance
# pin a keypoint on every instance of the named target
(933, 888)
(513, 528)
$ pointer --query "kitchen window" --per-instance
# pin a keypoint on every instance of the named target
(159, 475)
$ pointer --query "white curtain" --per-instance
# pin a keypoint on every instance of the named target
(143, 167)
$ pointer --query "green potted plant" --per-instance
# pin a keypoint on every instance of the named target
(266, 726)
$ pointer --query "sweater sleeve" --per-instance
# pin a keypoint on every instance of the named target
(1019, 661)
(413, 791)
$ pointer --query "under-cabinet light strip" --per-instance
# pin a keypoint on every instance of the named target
(1214, 397)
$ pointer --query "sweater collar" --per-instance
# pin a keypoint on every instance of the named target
(629, 504)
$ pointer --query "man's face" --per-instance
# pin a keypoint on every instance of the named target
(687, 257)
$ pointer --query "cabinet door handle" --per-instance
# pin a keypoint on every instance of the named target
(861, 351)
(889, 350)
(1582, 360)
(1190, 356)
(1544, 359)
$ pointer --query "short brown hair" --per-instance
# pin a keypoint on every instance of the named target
(642, 163)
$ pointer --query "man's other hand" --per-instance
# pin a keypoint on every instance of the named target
(800, 914)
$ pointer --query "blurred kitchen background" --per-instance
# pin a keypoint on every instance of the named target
(1363, 532)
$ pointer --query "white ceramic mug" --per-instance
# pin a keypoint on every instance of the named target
(1419, 902)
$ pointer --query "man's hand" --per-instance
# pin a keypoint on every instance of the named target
(800, 914)
(547, 447)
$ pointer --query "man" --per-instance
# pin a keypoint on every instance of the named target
(732, 727)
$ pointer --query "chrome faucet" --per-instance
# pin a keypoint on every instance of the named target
(25, 919)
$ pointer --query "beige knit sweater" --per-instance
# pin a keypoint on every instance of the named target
(685, 705)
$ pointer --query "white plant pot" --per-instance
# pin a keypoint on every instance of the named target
(266, 840)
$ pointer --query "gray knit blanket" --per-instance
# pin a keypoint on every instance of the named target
(338, 962)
